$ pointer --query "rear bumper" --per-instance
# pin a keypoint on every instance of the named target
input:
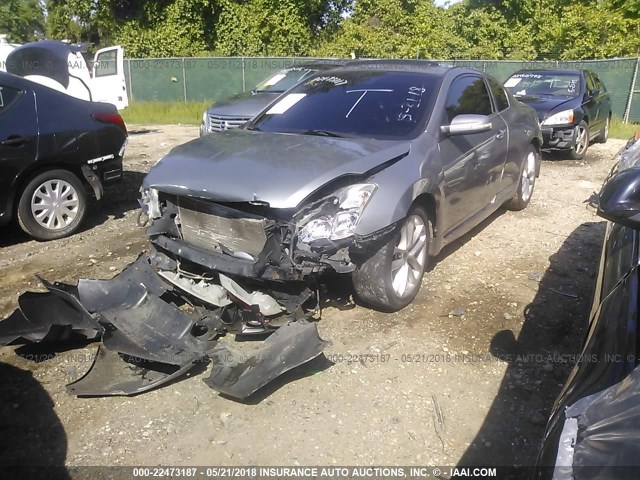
(100, 174)
(108, 171)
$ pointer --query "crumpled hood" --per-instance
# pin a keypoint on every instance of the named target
(280, 169)
(242, 105)
(547, 106)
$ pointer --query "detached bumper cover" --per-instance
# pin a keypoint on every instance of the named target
(152, 332)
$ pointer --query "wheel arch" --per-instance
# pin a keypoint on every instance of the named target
(28, 175)
(429, 202)
(537, 144)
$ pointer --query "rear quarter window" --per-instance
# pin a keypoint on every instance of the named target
(502, 103)
(8, 96)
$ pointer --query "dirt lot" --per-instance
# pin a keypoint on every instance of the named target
(487, 343)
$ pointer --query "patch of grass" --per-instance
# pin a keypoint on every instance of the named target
(623, 131)
(164, 113)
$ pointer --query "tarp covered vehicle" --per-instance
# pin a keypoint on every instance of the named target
(594, 425)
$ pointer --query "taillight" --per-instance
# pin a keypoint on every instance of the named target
(114, 118)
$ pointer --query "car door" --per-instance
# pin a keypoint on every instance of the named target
(108, 83)
(591, 105)
(472, 162)
(18, 137)
(604, 99)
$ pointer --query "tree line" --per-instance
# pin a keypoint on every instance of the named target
(471, 29)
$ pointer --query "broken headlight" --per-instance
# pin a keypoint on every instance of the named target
(346, 207)
(149, 202)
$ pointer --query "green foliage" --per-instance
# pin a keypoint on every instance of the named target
(263, 27)
(472, 29)
(22, 20)
(594, 30)
(180, 29)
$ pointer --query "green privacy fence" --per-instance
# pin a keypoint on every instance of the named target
(204, 79)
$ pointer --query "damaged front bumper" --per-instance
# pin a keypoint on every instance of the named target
(558, 138)
(247, 241)
(156, 324)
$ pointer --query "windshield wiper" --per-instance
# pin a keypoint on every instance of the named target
(321, 133)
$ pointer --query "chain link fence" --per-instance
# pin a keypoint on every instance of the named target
(212, 79)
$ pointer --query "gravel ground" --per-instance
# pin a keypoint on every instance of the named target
(465, 375)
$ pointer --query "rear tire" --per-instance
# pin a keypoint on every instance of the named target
(604, 135)
(390, 279)
(527, 182)
(52, 205)
(579, 149)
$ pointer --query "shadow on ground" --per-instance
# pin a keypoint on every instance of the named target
(31, 434)
(540, 356)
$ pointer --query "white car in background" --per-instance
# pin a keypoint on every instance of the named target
(61, 66)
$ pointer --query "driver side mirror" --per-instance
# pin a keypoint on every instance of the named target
(619, 199)
(467, 124)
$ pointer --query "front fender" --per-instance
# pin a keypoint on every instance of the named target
(420, 172)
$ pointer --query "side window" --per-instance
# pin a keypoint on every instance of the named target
(7, 96)
(107, 64)
(468, 95)
(599, 84)
(590, 83)
(502, 103)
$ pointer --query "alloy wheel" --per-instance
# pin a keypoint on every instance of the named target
(582, 141)
(409, 256)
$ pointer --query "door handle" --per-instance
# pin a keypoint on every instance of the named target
(15, 141)
(500, 134)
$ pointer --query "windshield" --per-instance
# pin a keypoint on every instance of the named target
(284, 79)
(378, 104)
(544, 84)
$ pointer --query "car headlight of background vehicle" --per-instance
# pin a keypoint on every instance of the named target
(339, 221)
(561, 118)
(205, 121)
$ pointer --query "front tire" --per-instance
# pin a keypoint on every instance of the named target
(527, 182)
(581, 145)
(52, 205)
(390, 279)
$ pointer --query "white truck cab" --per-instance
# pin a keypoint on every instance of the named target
(61, 66)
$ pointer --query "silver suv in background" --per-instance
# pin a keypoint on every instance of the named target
(239, 109)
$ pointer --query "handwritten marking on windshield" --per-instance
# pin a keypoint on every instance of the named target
(364, 92)
(411, 103)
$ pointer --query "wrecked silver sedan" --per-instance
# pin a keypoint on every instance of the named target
(364, 170)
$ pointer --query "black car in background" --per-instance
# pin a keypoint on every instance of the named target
(573, 107)
(237, 110)
(594, 428)
(54, 150)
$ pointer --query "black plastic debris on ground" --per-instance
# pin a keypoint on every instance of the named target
(153, 332)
